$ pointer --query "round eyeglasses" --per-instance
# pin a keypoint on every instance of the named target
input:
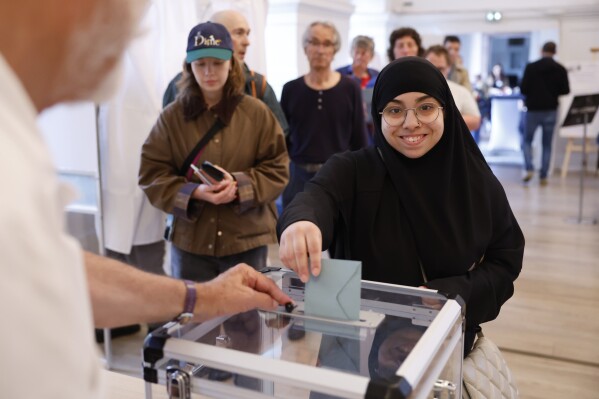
(425, 113)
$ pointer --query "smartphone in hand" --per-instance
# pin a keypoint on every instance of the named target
(207, 173)
(213, 172)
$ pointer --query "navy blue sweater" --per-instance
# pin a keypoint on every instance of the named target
(323, 122)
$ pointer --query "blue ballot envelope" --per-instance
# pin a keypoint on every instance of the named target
(335, 292)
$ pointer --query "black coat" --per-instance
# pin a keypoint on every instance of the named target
(354, 203)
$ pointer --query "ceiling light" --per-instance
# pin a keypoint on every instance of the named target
(494, 16)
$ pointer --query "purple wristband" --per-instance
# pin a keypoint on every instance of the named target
(189, 304)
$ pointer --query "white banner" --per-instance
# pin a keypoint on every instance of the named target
(584, 80)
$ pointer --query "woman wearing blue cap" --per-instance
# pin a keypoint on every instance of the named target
(217, 223)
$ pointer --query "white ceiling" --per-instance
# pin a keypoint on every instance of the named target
(512, 8)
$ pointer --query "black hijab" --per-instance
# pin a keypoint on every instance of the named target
(447, 193)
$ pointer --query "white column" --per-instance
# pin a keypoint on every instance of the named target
(373, 18)
(285, 25)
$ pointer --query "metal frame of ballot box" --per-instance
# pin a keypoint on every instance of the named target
(211, 359)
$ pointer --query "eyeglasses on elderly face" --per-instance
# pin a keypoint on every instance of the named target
(425, 113)
(326, 44)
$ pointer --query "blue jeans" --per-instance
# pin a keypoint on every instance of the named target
(201, 268)
(533, 119)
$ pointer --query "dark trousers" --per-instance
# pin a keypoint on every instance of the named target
(298, 178)
(149, 258)
(200, 268)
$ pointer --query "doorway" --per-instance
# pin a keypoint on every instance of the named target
(510, 51)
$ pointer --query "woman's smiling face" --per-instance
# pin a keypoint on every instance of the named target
(411, 137)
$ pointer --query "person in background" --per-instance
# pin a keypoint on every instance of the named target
(497, 81)
(380, 205)
(53, 293)
(542, 83)
(362, 52)
(464, 100)
(218, 224)
(457, 72)
(324, 110)
(404, 42)
(481, 94)
(255, 83)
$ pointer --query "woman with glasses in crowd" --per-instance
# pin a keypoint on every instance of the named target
(419, 208)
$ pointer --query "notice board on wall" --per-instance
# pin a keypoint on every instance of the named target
(584, 81)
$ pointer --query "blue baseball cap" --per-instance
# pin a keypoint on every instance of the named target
(209, 39)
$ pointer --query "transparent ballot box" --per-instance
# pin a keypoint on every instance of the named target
(407, 343)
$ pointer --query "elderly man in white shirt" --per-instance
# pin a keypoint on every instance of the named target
(51, 293)
(464, 99)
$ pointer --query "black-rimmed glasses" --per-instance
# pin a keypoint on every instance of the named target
(425, 113)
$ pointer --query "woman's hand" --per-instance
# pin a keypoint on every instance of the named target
(431, 302)
(298, 241)
(223, 192)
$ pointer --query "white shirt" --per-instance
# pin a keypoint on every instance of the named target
(46, 341)
(464, 100)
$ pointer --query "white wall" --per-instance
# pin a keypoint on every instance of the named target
(287, 20)
(577, 36)
(377, 18)
(70, 131)
(278, 52)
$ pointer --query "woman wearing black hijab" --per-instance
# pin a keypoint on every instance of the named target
(420, 208)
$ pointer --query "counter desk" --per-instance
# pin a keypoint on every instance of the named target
(506, 114)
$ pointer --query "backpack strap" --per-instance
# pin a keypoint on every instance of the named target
(253, 83)
(257, 85)
(263, 86)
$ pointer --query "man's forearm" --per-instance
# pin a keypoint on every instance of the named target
(121, 294)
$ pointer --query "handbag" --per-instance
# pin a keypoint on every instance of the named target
(486, 373)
